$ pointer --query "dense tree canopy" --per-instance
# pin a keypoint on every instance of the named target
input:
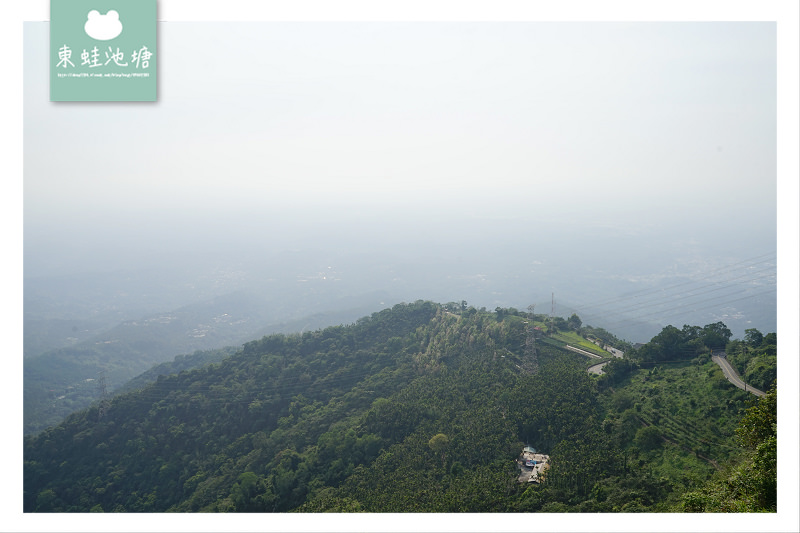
(673, 344)
(414, 408)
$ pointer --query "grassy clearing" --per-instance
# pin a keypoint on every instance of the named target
(573, 339)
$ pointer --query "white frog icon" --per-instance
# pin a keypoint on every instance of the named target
(103, 27)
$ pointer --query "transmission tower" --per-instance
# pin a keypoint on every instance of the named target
(530, 342)
(104, 401)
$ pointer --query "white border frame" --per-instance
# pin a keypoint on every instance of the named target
(787, 15)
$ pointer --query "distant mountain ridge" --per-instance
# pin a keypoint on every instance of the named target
(64, 380)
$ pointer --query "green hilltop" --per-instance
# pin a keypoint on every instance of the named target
(421, 408)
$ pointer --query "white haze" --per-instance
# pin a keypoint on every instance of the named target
(499, 163)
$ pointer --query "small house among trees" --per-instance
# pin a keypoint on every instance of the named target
(532, 464)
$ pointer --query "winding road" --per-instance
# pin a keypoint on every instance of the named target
(731, 375)
(598, 368)
(720, 358)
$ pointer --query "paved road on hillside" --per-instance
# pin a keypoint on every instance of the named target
(613, 351)
(598, 368)
(730, 373)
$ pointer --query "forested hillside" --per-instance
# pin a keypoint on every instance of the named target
(420, 407)
(62, 381)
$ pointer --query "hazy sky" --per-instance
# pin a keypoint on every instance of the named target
(588, 120)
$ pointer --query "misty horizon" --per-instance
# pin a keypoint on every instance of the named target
(501, 163)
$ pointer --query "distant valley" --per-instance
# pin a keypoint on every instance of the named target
(117, 324)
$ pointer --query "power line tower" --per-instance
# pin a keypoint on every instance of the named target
(104, 401)
(552, 311)
(530, 341)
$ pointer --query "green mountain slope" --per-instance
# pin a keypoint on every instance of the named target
(420, 407)
(65, 380)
